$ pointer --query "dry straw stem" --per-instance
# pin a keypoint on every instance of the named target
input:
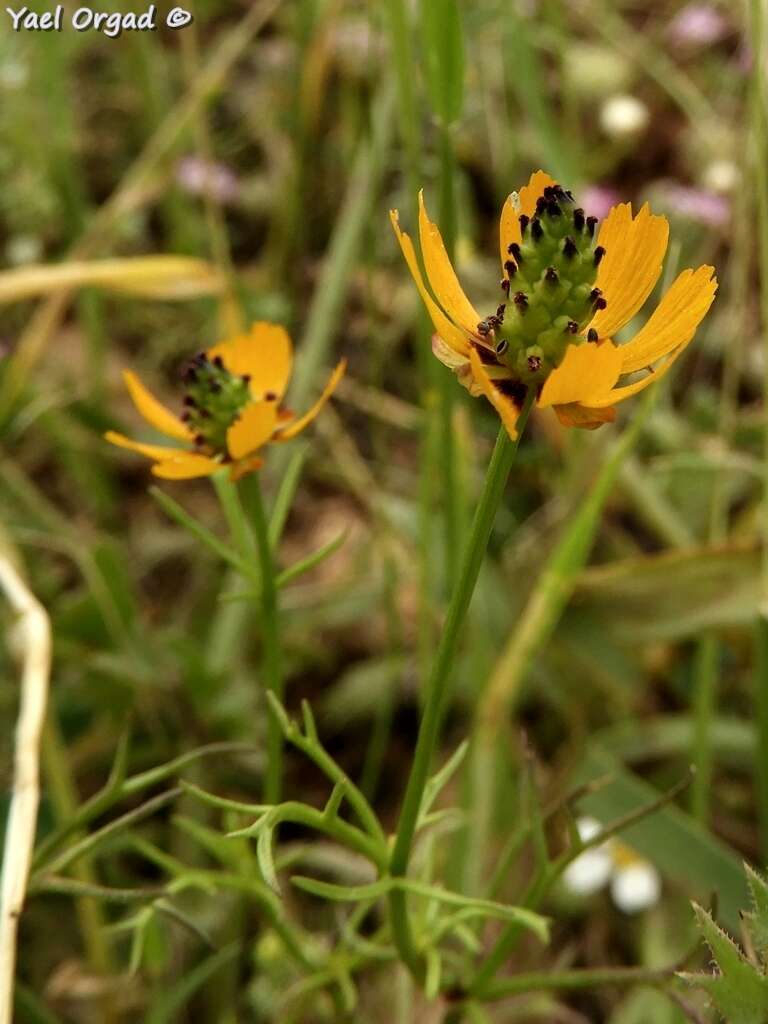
(156, 277)
(33, 635)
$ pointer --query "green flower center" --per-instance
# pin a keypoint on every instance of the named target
(549, 282)
(213, 401)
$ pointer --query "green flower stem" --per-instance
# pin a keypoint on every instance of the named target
(250, 536)
(549, 981)
(437, 690)
(270, 636)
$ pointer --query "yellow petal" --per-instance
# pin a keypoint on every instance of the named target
(154, 412)
(509, 225)
(504, 406)
(152, 451)
(575, 415)
(265, 354)
(448, 356)
(255, 425)
(240, 469)
(186, 467)
(587, 370)
(441, 275)
(298, 425)
(634, 253)
(448, 331)
(675, 320)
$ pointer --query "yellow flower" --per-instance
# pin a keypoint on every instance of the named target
(232, 407)
(566, 293)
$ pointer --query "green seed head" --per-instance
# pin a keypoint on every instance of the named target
(550, 283)
(213, 401)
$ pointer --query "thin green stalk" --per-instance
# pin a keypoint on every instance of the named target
(760, 154)
(437, 689)
(705, 675)
(270, 636)
(251, 538)
(574, 980)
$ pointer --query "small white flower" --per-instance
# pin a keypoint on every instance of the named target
(634, 882)
(623, 116)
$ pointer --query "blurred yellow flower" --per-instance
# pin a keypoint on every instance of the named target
(566, 294)
(232, 407)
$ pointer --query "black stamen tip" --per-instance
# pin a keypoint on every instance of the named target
(214, 387)
(514, 250)
(524, 222)
(601, 303)
(511, 268)
(541, 205)
(505, 284)
(572, 327)
(270, 396)
(534, 363)
(591, 225)
(537, 231)
(502, 347)
(595, 294)
(199, 439)
(189, 401)
(553, 209)
(578, 219)
(218, 362)
(592, 334)
(483, 328)
(520, 299)
(186, 416)
(570, 248)
(551, 275)
(500, 313)
(245, 378)
(599, 253)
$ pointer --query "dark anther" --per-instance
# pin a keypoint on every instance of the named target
(524, 222)
(203, 414)
(592, 334)
(514, 250)
(189, 401)
(245, 378)
(500, 313)
(200, 359)
(214, 387)
(599, 253)
(270, 396)
(594, 295)
(569, 248)
(199, 439)
(536, 229)
(189, 376)
(541, 205)
(511, 268)
(553, 209)
(601, 303)
(578, 219)
(591, 225)
(502, 347)
(551, 275)
(534, 363)
(483, 328)
(218, 362)
(520, 299)
(572, 327)
(186, 416)
(505, 285)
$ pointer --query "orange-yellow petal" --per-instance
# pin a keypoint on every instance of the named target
(634, 253)
(504, 406)
(187, 466)
(441, 275)
(265, 354)
(576, 415)
(153, 411)
(245, 466)
(152, 451)
(675, 320)
(587, 371)
(509, 225)
(448, 331)
(253, 427)
(303, 421)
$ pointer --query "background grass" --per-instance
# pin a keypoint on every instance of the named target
(613, 630)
